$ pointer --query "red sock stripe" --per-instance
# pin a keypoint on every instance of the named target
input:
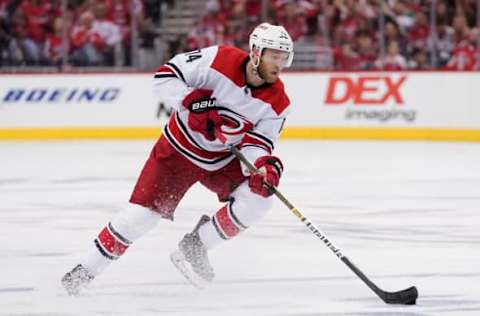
(111, 244)
(226, 223)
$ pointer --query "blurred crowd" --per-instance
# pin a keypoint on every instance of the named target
(352, 29)
(359, 35)
(32, 32)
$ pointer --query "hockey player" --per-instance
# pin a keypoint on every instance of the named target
(221, 95)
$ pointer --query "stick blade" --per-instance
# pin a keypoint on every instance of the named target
(405, 297)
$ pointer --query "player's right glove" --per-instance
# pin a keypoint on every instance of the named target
(270, 169)
(203, 117)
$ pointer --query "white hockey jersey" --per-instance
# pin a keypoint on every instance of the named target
(254, 115)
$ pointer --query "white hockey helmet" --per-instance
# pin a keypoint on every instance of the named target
(271, 36)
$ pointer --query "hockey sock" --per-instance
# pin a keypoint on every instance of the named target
(222, 226)
(115, 238)
(244, 209)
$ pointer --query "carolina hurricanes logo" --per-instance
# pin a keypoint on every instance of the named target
(201, 100)
(233, 123)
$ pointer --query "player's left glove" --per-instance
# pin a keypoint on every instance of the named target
(270, 169)
(206, 123)
(203, 117)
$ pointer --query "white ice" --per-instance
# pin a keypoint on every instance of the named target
(406, 213)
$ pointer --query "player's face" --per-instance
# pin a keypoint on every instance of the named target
(272, 63)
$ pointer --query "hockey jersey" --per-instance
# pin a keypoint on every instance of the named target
(253, 116)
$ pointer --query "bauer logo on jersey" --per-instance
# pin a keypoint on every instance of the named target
(203, 105)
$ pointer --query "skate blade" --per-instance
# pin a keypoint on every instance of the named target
(179, 261)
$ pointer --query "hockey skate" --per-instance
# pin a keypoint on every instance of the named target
(191, 258)
(76, 279)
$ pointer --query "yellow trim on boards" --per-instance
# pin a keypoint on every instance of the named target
(344, 133)
(370, 133)
(79, 133)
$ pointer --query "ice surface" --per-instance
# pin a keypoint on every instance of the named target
(404, 213)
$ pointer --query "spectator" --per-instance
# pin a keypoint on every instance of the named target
(86, 43)
(394, 34)
(464, 57)
(444, 12)
(312, 10)
(419, 60)
(419, 33)
(403, 15)
(460, 28)
(346, 57)
(153, 10)
(444, 43)
(109, 33)
(346, 23)
(4, 30)
(367, 52)
(253, 11)
(290, 15)
(468, 9)
(37, 15)
(204, 33)
(21, 49)
(28, 32)
(54, 44)
(393, 60)
(120, 13)
(148, 55)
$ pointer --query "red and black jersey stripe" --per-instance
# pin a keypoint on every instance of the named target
(184, 143)
(257, 140)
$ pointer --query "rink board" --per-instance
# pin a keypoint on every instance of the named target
(342, 105)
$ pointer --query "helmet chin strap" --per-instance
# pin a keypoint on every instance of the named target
(257, 73)
(256, 64)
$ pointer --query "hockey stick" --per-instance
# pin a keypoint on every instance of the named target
(406, 297)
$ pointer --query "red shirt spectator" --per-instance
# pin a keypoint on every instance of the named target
(366, 51)
(253, 8)
(83, 32)
(349, 27)
(54, 43)
(463, 57)
(419, 32)
(55, 8)
(37, 17)
(346, 58)
(3, 8)
(291, 18)
(53, 47)
(118, 12)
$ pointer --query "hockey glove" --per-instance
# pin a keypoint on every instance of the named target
(270, 169)
(203, 117)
